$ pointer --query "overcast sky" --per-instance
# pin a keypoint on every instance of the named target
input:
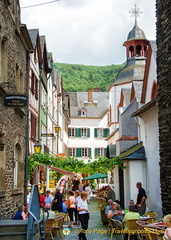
(89, 32)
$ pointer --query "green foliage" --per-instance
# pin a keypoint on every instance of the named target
(101, 164)
(78, 78)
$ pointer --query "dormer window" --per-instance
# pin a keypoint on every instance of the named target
(82, 112)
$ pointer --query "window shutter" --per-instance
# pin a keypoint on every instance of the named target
(105, 132)
(95, 132)
(78, 152)
(68, 151)
(68, 133)
(96, 151)
(105, 151)
(89, 152)
(88, 132)
(78, 132)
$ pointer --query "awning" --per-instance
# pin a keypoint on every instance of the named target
(71, 174)
(137, 152)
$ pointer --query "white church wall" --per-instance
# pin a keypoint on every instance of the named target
(151, 143)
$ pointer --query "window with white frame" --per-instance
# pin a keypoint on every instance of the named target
(100, 152)
(99, 132)
(84, 132)
(72, 152)
(71, 132)
(84, 152)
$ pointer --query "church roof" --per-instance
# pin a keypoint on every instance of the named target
(133, 71)
(136, 33)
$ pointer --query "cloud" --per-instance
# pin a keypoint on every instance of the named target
(88, 32)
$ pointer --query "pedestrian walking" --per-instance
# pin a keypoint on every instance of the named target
(83, 214)
(88, 190)
(141, 199)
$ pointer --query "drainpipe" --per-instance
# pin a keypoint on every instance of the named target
(27, 130)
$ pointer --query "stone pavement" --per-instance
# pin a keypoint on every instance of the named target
(96, 230)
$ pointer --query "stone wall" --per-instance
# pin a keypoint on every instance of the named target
(12, 120)
(164, 98)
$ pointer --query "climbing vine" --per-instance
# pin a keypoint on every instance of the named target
(71, 164)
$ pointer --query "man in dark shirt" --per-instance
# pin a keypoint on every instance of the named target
(57, 201)
(111, 194)
(141, 198)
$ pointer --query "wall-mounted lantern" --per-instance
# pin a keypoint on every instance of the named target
(37, 147)
(57, 128)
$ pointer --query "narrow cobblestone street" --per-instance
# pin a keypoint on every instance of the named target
(96, 230)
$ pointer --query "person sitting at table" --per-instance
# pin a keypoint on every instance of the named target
(131, 202)
(20, 214)
(167, 223)
(119, 206)
(132, 214)
(108, 207)
(114, 213)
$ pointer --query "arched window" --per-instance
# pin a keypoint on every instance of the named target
(154, 90)
(138, 50)
(3, 61)
(18, 171)
(131, 51)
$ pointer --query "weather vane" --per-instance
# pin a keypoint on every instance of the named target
(135, 12)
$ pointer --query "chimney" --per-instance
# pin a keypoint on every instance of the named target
(97, 89)
(90, 95)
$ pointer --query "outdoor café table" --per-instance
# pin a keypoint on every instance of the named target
(146, 218)
(156, 225)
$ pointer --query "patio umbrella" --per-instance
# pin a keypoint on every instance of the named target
(95, 176)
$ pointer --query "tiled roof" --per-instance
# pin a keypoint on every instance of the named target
(96, 109)
(33, 35)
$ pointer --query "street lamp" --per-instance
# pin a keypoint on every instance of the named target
(37, 147)
(57, 128)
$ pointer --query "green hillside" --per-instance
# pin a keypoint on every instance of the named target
(78, 78)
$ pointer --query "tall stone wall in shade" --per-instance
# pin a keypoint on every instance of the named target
(12, 119)
(164, 98)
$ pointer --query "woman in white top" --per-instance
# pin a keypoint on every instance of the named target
(167, 223)
(83, 214)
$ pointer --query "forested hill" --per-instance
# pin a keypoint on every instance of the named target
(78, 78)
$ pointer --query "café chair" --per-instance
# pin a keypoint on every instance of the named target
(132, 226)
(58, 225)
(152, 215)
(141, 225)
(114, 226)
(66, 217)
(48, 229)
(153, 233)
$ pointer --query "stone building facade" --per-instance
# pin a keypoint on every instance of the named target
(14, 47)
(164, 98)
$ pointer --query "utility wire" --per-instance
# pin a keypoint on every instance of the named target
(40, 4)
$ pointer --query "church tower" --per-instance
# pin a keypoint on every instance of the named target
(136, 52)
(136, 43)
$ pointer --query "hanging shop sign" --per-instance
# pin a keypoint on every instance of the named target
(15, 100)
